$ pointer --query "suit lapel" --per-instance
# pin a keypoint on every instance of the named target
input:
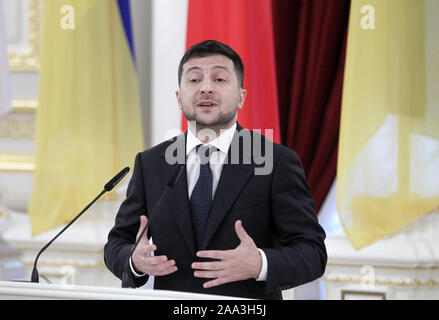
(181, 211)
(179, 194)
(234, 177)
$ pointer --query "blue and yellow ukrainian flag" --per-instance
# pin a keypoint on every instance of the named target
(88, 120)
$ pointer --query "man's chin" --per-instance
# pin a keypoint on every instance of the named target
(211, 121)
(215, 123)
(207, 120)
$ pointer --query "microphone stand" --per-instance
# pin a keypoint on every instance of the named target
(34, 277)
(108, 187)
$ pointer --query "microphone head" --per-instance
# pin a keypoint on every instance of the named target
(116, 179)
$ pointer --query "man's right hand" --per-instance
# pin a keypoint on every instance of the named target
(142, 260)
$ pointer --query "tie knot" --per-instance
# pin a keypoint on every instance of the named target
(204, 152)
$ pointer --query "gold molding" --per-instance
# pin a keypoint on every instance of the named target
(24, 106)
(17, 128)
(385, 282)
(381, 295)
(338, 265)
(29, 61)
(84, 264)
(17, 162)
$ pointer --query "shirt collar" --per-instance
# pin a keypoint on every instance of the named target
(222, 142)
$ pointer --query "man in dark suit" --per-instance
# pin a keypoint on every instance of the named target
(239, 221)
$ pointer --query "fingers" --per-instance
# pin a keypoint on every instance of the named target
(241, 263)
(149, 249)
(143, 260)
(218, 282)
(216, 265)
(219, 271)
(212, 270)
(159, 266)
(143, 223)
(210, 274)
(153, 265)
(240, 231)
(214, 254)
(154, 260)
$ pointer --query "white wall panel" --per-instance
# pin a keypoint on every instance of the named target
(169, 19)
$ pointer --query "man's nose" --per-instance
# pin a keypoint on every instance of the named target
(206, 87)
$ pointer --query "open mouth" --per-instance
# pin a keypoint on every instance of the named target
(206, 104)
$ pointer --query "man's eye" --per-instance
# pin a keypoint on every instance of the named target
(220, 80)
(194, 80)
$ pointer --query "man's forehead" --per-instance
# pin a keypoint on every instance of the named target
(209, 62)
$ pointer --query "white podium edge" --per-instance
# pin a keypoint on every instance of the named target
(35, 291)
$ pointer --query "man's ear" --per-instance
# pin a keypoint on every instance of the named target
(178, 95)
(242, 95)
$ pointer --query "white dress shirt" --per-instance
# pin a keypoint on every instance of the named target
(216, 161)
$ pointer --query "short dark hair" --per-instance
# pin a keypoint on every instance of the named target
(210, 48)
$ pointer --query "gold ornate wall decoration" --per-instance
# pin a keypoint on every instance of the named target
(17, 162)
(365, 294)
(24, 106)
(384, 282)
(17, 128)
(30, 60)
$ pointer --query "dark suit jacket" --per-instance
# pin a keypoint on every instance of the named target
(276, 210)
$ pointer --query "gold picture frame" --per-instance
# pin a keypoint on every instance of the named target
(30, 60)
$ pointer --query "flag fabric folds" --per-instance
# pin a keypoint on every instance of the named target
(125, 15)
(5, 102)
(88, 120)
(388, 159)
(247, 27)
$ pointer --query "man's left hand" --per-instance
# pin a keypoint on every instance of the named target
(242, 263)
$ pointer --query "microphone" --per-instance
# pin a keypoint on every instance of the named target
(108, 186)
(112, 183)
(168, 187)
